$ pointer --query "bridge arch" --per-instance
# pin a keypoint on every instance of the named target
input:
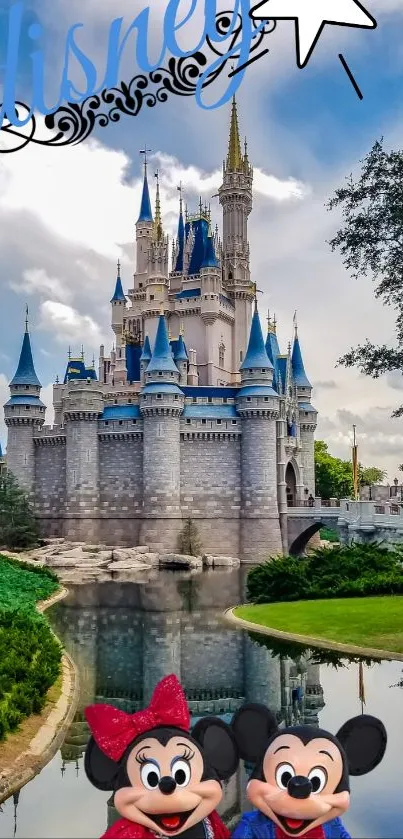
(298, 546)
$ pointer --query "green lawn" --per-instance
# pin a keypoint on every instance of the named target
(375, 622)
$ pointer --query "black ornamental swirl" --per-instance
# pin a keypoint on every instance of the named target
(72, 123)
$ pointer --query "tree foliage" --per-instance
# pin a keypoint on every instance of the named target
(18, 527)
(371, 242)
(334, 477)
(189, 541)
(343, 571)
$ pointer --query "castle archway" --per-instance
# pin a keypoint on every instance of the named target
(291, 485)
(298, 546)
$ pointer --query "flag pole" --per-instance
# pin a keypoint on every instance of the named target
(355, 465)
(361, 688)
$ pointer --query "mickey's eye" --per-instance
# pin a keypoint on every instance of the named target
(318, 779)
(181, 772)
(284, 773)
(150, 775)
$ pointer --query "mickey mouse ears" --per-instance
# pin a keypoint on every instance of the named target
(364, 741)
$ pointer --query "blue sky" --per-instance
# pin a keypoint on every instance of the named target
(66, 215)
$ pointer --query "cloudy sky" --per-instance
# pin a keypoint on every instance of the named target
(67, 215)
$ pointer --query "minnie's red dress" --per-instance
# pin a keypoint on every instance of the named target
(124, 829)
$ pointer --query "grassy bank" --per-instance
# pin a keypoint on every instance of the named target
(372, 622)
(30, 655)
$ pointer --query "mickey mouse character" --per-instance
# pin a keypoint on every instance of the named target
(300, 784)
(166, 780)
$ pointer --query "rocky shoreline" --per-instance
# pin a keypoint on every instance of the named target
(77, 562)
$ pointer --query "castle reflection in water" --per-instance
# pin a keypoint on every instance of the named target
(125, 637)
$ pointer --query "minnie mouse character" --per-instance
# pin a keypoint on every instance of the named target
(300, 784)
(166, 780)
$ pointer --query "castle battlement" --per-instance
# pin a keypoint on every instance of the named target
(191, 414)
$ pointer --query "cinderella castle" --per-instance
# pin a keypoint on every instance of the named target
(192, 415)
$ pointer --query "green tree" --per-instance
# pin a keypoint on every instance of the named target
(334, 477)
(371, 243)
(189, 542)
(18, 526)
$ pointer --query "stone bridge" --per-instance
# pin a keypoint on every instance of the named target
(354, 521)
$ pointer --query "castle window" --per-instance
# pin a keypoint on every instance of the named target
(188, 422)
(219, 422)
(140, 285)
(233, 422)
(241, 355)
(134, 422)
(266, 399)
(26, 387)
(151, 297)
(194, 399)
(225, 400)
(159, 395)
(248, 399)
(107, 423)
(204, 422)
(120, 422)
(116, 401)
(160, 373)
(28, 407)
(130, 401)
(145, 396)
(210, 399)
(221, 354)
(176, 396)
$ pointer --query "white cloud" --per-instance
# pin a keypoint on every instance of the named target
(37, 281)
(69, 326)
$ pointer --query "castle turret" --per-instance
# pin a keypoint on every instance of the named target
(24, 414)
(161, 404)
(210, 278)
(144, 231)
(235, 196)
(180, 245)
(181, 360)
(82, 406)
(258, 405)
(118, 303)
(145, 359)
(157, 279)
(307, 415)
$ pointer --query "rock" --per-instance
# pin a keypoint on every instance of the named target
(179, 561)
(151, 559)
(128, 565)
(208, 561)
(95, 549)
(225, 560)
(141, 549)
(138, 577)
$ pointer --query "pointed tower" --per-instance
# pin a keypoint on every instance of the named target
(235, 196)
(24, 416)
(181, 360)
(118, 303)
(211, 288)
(307, 413)
(145, 359)
(161, 405)
(157, 280)
(178, 264)
(144, 230)
(258, 405)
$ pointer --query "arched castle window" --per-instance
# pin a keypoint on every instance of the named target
(221, 355)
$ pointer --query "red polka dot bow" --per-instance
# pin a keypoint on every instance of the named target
(114, 730)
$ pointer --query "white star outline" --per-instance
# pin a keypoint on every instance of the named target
(307, 18)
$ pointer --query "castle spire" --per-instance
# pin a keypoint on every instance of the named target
(298, 369)
(210, 259)
(25, 373)
(119, 293)
(161, 359)
(158, 220)
(181, 235)
(234, 158)
(256, 355)
(145, 207)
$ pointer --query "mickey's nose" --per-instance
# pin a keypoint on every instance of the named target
(167, 785)
(299, 787)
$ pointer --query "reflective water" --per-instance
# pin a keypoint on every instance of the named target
(125, 637)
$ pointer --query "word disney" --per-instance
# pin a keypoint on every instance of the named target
(180, 21)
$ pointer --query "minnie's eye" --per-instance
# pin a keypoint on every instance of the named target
(181, 772)
(318, 779)
(284, 773)
(150, 775)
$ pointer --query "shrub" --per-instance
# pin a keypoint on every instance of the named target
(189, 541)
(30, 655)
(343, 571)
(18, 526)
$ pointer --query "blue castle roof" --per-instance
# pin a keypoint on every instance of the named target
(200, 228)
(256, 355)
(210, 260)
(25, 373)
(133, 357)
(273, 351)
(119, 295)
(179, 350)
(188, 292)
(298, 369)
(25, 400)
(145, 207)
(76, 369)
(282, 371)
(120, 412)
(146, 354)
(181, 243)
(162, 359)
